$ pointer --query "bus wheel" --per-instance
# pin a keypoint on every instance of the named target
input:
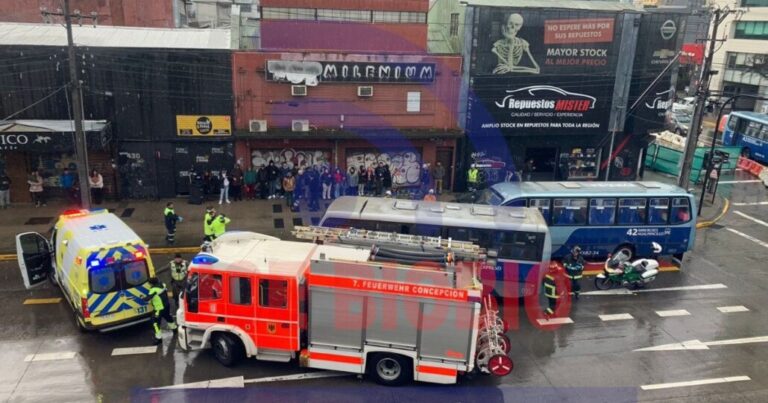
(226, 349)
(627, 250)
(390, 369)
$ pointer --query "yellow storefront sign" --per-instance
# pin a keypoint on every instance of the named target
(650, 3)
(203, 125)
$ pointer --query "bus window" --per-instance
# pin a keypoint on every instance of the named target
(481, 237)
(681, 211)
(764, 133)
(361, 224)
(569, 212)
(602, 211)
(459, 234)
(543, 206)
(753, 129)
(427, 230)
(631, 211)
(335, 222)
(733, 122)
(516, 203)
(518, 245)
(659, 211)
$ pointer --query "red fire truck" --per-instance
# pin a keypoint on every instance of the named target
(400, 308)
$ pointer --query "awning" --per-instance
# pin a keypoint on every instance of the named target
(49, 126)
(51, 135)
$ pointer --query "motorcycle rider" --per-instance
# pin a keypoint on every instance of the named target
(574, 268)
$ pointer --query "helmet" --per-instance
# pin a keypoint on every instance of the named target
(576, 249)
(431, 191)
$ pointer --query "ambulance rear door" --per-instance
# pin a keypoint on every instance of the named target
(34, 255)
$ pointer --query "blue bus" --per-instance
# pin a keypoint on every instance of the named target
(748, 130)
(606, 217)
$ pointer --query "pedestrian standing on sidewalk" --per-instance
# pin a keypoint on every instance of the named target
(362, 180)
(178, 268)
(250, 183)
(67, 182)
(236, 183)
(379, 177)
(387, 180)
(210, 214)
(35, 182)
(397, 180)
(263, 179)
(224, 187)
(273, 175)
(289, 185)
(284, 170)
(528, 169)
(327, 180)
(430, 196)
(171, 219)
(5, 191)
(426, 177)
(352, 180)
(339, 180)
(315, 188)
(96, 182)
(438, 173)
(370, 181)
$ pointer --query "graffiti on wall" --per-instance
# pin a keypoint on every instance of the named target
(294, 158)
(408, 163)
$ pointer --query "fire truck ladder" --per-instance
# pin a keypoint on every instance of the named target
(401, 248)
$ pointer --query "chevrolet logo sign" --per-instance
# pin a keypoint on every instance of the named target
(664, 53)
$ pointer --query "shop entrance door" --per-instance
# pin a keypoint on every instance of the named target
(444, 156)
(544, 163)
(182, 165)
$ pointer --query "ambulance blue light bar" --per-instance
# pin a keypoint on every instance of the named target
(204, 259)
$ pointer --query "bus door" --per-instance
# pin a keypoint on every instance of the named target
(277, 313)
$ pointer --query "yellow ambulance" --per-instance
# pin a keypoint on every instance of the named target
(100, 264)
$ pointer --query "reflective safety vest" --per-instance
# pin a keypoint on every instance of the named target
(219, 226)
(472, 175)
(207, 228)
(550, 288)
(159, 297)
(179, 270)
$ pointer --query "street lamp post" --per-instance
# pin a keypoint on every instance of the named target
(708, 164)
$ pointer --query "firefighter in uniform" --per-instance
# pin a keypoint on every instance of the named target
(551, 290)
(158, 296)
(210, 213)
(171, 219)
(574, 268)
(178, 275)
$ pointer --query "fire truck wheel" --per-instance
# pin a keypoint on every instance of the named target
(390, 369)
(500, 365)
(227, 350)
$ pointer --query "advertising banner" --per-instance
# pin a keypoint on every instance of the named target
(313, 72)
(693, 53)
(196, 125)
(657, 47)
(545, 71)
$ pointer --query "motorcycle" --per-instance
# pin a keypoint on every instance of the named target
(619, 271)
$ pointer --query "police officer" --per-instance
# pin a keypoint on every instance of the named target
(210, 213)
(171, 219)
(551, 290)
(178, 275)
(219, 225)
(158, 296)
(574, 268)
(472, 177)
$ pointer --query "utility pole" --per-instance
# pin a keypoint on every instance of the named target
(702, 93)
(81, 149)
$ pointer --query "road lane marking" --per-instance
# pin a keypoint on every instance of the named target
(733, 309)
(616, 316)
(40, 301)
(673, 312)
(698, 345)
(696, 382)
(234, 382)
(555, 321)
(765, 203)
(753, 219)
(751, 238)
(624, 291)
(134, 350)
(740, 181)
(298, 377)
(66, 355)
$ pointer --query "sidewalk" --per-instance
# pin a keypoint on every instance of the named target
(270, 217)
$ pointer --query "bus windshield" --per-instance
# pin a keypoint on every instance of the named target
(749, 131)
(489, 196)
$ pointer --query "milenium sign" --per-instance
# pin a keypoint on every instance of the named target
(312, 72)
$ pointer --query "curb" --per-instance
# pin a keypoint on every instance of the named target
(707, 224)
(195, 249)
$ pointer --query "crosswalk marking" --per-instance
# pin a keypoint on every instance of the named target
(65, 355)
(696, 382)
(750, 237)
(740, 181)
(555, 321)
(134, 350)
(673, 312)
(617, 316)
(753, 219)
(765, 203)
(732, 309)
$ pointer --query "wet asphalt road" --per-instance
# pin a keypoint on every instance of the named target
(588, 360)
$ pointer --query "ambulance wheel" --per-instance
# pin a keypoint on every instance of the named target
(390, 369)
(227, 350)
(79, 323)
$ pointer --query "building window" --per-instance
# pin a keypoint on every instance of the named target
(275, 13)
(413, 102)
(754, 3)
(752, 30)
(327, 14)
(386, 16)
(455, 24)
(343, 15)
